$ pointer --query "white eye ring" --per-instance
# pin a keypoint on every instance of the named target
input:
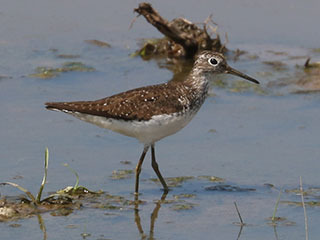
(213, 61)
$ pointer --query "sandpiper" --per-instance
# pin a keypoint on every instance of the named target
(153, 112)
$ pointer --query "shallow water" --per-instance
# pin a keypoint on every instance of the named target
(247, 137)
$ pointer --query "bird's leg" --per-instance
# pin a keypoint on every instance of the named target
(138, 168)
(155, 167)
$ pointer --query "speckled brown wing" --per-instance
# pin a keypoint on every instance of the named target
(137, 104)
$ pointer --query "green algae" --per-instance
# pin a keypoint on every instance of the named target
(182, 206)
(212, 131)
(299, 204)
(211, 178)
(45, 72)
(316, 50)
(282, 221)
(174, 181)
(151, 47)
(108, 206)
(277, 53)
(243, 86)
(219, 82)
(48, 72)
(312, 191)
(76, 66)
(114, 202)
(122, 174)
(126, 162)
(185, 195)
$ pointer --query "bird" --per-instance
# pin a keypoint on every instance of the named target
(153, 112)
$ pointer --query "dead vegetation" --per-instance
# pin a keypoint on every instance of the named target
(62, 202)
(182, 38)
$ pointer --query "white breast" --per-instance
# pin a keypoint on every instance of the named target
(147, 132)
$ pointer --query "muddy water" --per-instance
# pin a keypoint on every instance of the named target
(250, 137)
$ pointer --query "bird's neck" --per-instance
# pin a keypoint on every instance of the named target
(198, 80)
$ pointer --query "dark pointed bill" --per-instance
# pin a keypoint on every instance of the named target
(233, 71)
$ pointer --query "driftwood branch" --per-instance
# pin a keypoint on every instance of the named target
(180, 31)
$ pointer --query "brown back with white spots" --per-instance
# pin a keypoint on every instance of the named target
(137, 104)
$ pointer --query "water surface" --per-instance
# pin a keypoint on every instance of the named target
(247, 137)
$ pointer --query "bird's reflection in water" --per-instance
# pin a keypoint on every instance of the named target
(153, 216)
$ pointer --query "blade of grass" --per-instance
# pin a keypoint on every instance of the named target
(76, 185)
(44, 180)
(304, 210)
(276, 206)
(241, 221)
(29, 194)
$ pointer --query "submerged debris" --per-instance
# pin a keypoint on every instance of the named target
(57, 199)
(2, 77)
(229, 188)
(68, 56)
(152, 47)
(237, 53)
(278, 53)
(98, 43)
(183, 39)
(126, 162)
(276, 65)
(309, 83)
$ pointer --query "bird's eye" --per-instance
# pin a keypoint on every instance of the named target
(213, 61)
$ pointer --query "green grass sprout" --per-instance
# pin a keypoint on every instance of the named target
(44, 180)
(76, 185)
(276, 206)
